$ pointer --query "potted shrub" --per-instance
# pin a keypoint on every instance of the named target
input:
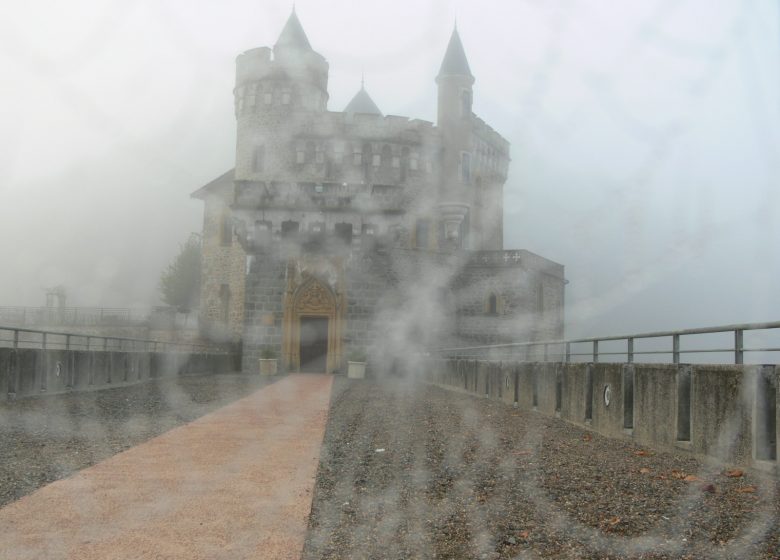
(267, 362)
(356, 365)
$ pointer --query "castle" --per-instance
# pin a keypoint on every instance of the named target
(354, 231)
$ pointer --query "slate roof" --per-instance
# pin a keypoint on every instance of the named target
(224, 180)
(455, 62)
(293, 35)
(362, 103)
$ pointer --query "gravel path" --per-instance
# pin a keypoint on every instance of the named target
(47, 438)
(411, 471)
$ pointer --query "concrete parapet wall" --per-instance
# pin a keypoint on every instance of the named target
(729, 413)
(30, 372)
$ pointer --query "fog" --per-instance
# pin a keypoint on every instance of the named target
(644, 138)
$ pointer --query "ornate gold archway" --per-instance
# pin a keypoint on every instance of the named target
(311, 298)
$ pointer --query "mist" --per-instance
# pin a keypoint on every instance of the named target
(644, 139)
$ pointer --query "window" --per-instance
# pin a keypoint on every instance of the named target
(387, 155)
(320, 155)
(465, 167)
(344, 233)
(368, 229)
(376, 160)
(396, 162)
(289, 229)
(310, 151)
(357, 157)
(465, 98)
(317, 227)
(492, 304)
(258, 159)
(268, 98)
(413, 162)
(225, 230)
(300, 156)
(421, 233)
(224, 302)
(285, 98)
(250, 100)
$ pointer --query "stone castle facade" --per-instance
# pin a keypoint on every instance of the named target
(352, 231)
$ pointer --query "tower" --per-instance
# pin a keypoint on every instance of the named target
(455, 83)
(276, 90)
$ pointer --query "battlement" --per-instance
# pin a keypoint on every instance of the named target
(487, 134)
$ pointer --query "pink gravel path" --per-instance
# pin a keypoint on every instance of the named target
(236, 483)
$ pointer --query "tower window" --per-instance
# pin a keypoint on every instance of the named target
(465, 167)
(225, 230)
(224, 302)
(465, 98)
(421, 229)
(258, 159)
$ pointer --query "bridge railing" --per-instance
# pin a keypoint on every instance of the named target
(594, 349)
(70, 316)
(17, 338)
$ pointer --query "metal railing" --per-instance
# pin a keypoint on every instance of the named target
(71, 316)
(561, 350)
(19, 338)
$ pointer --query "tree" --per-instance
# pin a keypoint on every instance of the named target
(180, 282)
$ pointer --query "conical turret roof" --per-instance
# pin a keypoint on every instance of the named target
(362, 103)
(293, 35)
(455, 62)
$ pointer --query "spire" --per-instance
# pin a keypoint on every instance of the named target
(455, 62)
(362, 102)
(293, 35)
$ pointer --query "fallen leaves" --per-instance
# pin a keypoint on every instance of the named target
(587, 437)
(735, 473)
(746, 489)
(642, 453)
(644, 470)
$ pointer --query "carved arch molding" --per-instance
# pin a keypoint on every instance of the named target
(314, 289)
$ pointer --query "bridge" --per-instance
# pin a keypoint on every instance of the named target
(473, 453)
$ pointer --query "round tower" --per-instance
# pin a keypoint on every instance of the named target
(455, 83)
(275, 87)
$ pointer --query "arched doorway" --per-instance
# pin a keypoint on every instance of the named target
(312, 328)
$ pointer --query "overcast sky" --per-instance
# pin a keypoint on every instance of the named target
(644, 138)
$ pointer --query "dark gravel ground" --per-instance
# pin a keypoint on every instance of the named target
(412, 471)
(46, 438)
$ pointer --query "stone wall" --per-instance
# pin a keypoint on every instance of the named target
(223, 264)
(728, 413)
(31, 372)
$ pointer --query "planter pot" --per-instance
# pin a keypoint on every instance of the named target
(356, 370)
(267, 366)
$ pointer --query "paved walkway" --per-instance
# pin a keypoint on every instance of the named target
(236, 483)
